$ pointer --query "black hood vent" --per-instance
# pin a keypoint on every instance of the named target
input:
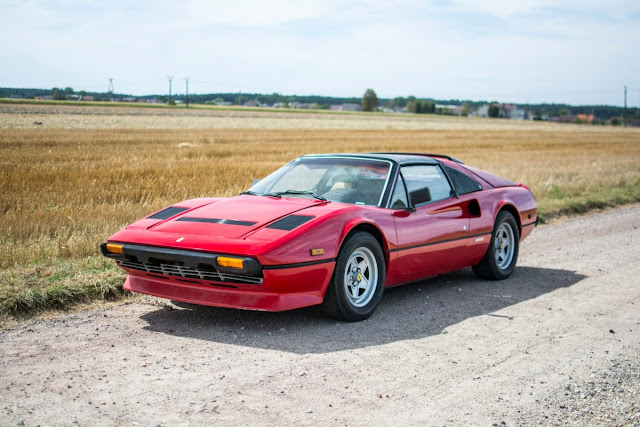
(217, 221)
(290, 222)
(167, 213)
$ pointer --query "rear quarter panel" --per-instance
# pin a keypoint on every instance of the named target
(518, 200)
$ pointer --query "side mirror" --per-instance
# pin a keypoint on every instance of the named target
(419, 196)
(255, 181)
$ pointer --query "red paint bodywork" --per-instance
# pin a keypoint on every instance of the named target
(434, 239)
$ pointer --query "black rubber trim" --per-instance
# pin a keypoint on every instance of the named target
(167, 213)
(300, 264)
(440, 241)
(530, 224)
(290, 222)
(424, 155)
(217, 221)
(191, 259)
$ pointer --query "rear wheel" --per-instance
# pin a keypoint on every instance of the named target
(358, 280)
(501, 257)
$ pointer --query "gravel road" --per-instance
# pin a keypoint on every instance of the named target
(556, 344)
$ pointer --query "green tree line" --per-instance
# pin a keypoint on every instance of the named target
(413, 104)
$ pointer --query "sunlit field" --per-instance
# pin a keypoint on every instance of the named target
(76, 178)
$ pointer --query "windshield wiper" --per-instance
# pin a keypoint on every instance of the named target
(253, 193)
(305, 192)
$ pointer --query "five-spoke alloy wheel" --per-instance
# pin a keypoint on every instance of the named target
(358, 279)
(500, 260)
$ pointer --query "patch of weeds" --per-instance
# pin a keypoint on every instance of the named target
(25, 290)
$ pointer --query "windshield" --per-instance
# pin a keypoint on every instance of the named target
(338, 179)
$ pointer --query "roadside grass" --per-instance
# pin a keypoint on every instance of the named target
(583, 203)
(64, 191)
(26, 290)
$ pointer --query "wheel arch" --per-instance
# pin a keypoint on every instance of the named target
(370, 228)
(506, 206)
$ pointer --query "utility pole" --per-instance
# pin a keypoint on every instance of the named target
(110, 89)
(624, 115)
(186, 80)
(170, 78)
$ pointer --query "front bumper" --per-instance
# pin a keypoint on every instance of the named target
(184, 263)
(281, 289)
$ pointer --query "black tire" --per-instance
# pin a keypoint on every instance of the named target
(501, 257)
(360, 262)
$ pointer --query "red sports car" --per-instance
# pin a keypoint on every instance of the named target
(330, 229)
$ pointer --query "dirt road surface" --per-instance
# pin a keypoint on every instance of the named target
(556, 344)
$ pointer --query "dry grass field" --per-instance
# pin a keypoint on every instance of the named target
(71, 176)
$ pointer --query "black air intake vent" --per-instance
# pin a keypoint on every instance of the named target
(167, 213)
(217, 221)
(290, 222)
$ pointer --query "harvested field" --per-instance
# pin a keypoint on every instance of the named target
(85, 172)
(30, 116)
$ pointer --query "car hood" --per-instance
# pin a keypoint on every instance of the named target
(232, 218)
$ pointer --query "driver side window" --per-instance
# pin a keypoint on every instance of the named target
(431, 177)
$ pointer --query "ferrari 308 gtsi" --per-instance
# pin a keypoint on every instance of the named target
(333, 230)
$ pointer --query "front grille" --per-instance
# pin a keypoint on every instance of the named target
(182, 271)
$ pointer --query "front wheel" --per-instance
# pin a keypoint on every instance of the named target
(500, 260)
(358, 280)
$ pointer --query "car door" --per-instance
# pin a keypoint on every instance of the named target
(432, 232)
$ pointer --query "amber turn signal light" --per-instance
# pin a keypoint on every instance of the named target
(230, 262)
(114, 248)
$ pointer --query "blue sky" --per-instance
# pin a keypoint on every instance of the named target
(525, 51)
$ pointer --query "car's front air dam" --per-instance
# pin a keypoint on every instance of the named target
(282, 289)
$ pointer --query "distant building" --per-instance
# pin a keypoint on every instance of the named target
(585, 117)
(454, 110)
(511, 111)
(565, 118)
(302, 105)
(218, 101)
(507, 111)
(351, 107)
(483, 111)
